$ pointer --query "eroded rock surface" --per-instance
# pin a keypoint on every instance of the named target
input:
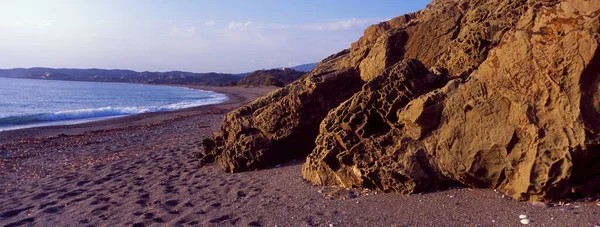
(525, 122)
(511, 101)
(359, 142)
(280, 126)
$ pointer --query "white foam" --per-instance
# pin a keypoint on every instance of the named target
(121, 111)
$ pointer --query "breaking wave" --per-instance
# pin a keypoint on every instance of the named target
(108, 111)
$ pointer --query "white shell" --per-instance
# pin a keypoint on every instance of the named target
(525, 221)
(522, 216)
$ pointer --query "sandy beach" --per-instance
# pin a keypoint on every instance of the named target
(140, 170)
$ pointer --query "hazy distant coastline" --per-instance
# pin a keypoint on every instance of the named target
(130, 76)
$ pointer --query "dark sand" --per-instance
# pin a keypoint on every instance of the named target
(139, 171)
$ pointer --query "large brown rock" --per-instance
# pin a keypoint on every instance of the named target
(360, 146)
(455, 35)
(524, 122)
(280, 126)
(511, 101)
(427, 36)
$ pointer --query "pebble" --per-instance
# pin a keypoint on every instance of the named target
(525, 221)
(540, 204)
(522, 216)
(331, 225)
(320, 191)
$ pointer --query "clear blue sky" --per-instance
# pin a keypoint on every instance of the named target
(189, 35)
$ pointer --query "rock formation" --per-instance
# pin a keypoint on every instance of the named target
(271, 77)
(359, 143)
(500, 94)
(282, 125)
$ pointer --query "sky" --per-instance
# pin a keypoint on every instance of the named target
(230, 36)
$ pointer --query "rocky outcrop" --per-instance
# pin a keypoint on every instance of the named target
(500, 94)
(455, 35)
(270, 77)
(525, 122)
(359, 143)
(280, 126)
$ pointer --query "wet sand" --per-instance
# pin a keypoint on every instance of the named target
(141, 171)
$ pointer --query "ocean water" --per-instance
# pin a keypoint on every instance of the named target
(28, 103)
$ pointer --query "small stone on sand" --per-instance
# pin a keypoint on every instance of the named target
(522, 216)
(525, 221)
(540, 204)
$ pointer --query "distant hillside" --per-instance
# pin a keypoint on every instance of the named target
(130, 76)
(271, 77)
(125, 76)
(305, 67)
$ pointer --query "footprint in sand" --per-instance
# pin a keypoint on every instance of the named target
(172, 203)
(21, 222)
(224, 218)
(53, 210)
(100, 210)
(12, 213)
(44, 205)
(39, 196)
(72, 194)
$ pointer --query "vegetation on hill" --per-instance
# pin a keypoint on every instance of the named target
(172, 77)
(124, 76)
(271, 77)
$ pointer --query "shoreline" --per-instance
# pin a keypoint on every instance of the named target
(232, 94)
(95, 119)
(141, 170)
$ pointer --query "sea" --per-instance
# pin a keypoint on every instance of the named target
(26, 103)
